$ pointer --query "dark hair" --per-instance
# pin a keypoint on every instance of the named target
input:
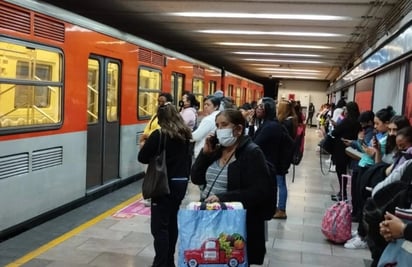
(269, 107)
(352, 110)
(406, 132)
(172, 123)
(168, 96)
(234, 116)
(341, 103)
(214, 99)
(366, 116)
(192, 99)
(385, 114)
(246, 106)
(400, 121)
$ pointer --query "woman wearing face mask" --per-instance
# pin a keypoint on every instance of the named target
(188, 110)
(235, 170)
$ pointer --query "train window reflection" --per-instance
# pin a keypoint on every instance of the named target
(30, 85)
(93, 91)
(198, 86)
(112, 91)
(149, 89)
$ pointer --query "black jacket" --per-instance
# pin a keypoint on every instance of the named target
(249, 182)
(178, 156)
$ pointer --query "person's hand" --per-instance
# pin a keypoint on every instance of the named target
(211, 199)
(251, 117)
(142, 139)
(347, 142)
(392, 227)
(210, 144)
(371, 151)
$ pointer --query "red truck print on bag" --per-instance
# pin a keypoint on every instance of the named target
(228, 250)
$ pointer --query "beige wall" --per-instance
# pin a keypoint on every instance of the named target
(305, 91)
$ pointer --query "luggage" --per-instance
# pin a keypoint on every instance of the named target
(212, 234)
(337, 221)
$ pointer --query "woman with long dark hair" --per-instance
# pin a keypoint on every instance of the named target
(348, 128)
(175, 137)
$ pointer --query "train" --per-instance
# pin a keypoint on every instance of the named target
(382, 76)
(75, 96)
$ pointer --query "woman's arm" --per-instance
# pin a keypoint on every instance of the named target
(150, 148)
(206, 126)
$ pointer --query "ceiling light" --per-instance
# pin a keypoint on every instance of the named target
(258, 16)
(295, 77)
(284, 60)
(289, 70)
(276, 54)
(275, 45)
(310, 34)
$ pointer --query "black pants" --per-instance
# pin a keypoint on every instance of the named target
(163, 224)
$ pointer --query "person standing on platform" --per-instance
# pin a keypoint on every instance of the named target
(163, 224)
(311, 112)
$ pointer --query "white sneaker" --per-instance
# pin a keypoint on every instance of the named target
(356, 243)
(146, 202)
(354, 233)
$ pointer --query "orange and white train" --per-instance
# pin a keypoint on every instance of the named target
(74, 97)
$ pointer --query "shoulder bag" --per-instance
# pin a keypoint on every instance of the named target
(155, 182)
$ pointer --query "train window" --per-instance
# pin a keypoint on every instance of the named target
(198, 86)
(238, 97)
(93, 91)
(30, 85)
(113, 76)
(150, 81)
(212, 87)
(230, 90)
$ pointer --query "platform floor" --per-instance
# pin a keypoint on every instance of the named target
(114, 230)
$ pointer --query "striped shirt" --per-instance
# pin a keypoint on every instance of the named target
(212, 173)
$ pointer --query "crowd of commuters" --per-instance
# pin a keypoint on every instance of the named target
(384, 141)
(236, 157)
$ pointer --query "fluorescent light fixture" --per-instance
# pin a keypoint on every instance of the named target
(289, 70)
(275, 45)
(284, 60)
(258, 16)
(276, 54)
(295, 77)
(309, 34)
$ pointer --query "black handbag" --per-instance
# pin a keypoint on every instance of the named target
(155, 181)
(327, 143)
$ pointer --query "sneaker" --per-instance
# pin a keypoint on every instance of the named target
(354, 233)
(356, 243)
(146, 202)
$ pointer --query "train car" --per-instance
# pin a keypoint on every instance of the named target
(383, 76)
(74, 97)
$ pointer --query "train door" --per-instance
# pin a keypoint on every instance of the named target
(176, 88)
(103, 121)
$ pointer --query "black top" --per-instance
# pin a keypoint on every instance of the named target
(178, 156)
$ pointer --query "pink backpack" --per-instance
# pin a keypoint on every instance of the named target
(337, 222)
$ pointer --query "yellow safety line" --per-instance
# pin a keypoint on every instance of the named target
(33, 254)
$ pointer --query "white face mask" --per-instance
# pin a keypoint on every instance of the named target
(225, 137)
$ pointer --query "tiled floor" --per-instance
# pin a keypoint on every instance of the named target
(113, 241)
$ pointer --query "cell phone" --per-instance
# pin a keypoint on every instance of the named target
(214, 141)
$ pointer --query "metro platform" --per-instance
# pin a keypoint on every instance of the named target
(114, 230)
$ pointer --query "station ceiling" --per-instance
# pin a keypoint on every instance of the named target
(258, 39)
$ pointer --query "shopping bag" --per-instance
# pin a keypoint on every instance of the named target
(211, 235)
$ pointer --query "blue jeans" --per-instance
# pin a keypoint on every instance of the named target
(283, 191)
